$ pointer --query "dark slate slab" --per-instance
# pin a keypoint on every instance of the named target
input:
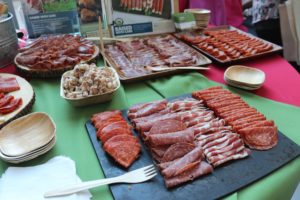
(225, 179)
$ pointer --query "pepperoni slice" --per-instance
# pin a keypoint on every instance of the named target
(12, 106)
(260, 138)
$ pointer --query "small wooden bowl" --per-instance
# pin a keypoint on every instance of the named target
(246, 76)
(26, 134)
(90, 100)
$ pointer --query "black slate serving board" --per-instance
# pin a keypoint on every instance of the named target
(224, 180)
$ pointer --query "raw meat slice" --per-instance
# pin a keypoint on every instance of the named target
(199, 170)
(177, 150)
(260, 138)
(186, 135)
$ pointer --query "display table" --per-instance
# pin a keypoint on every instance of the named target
(73, 140)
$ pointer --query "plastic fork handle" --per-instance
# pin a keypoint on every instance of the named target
(81, 186)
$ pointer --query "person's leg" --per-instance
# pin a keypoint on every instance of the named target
(269, 30)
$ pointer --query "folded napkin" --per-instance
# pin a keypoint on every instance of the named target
(30, 183)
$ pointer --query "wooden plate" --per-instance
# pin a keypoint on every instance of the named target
(46, 73)
(26, 93)
(26, 134)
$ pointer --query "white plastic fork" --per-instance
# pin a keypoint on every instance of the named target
(136, 176)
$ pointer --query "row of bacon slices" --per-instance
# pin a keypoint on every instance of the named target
(148, 6)
(187, 139)
(8, 103)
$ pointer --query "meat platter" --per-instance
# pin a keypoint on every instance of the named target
(16, 97)
(228, 45)
(225, 179)
(51, 56)
(132, 58)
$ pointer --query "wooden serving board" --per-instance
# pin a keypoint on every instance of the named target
(276, 48)
(26, 93)
(152, 75)
(224, 180)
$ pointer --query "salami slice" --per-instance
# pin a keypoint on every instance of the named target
(6, 100)
(118, 138)
(260, 138)
(118, 126)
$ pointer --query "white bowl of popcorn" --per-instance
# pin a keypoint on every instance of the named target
(88, 84)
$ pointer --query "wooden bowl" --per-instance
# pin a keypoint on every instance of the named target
(26, 93)
(26, 134)
(90, 100)
(243, 75)
(46, 73)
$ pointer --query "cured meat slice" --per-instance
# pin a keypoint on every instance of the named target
(240, 116)
(257, 117)
(8, 84)
(214, 159)
(204, 139)
(108, 135)
(232, 107)
(118, 138)
(125, 153)
(6, 100)
(167, 126)
(254, 124)
(12, 106)
(260, 138)
(186, 135)
(102, 124)
(106, 115)
(206, 127)
(160, 150)
(244, 153)
(118, 126)
(236, 111)
(192, 156)
(146, 126)
(221, 140)
(198, 120)
(149, 109)
(2, 95)
(150, 117)
(177, 150)
(201, 169)
(218, 150)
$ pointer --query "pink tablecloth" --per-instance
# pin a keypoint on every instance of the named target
(282, 80)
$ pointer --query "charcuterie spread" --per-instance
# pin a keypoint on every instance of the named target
(227, 45)
(56, 52)
(116, 137)
(8, 103)
(131, 58)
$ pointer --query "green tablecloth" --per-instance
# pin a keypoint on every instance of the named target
(73, 140)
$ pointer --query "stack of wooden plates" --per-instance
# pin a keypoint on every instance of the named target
(247, 78)
(27, 137)
(201, 17)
